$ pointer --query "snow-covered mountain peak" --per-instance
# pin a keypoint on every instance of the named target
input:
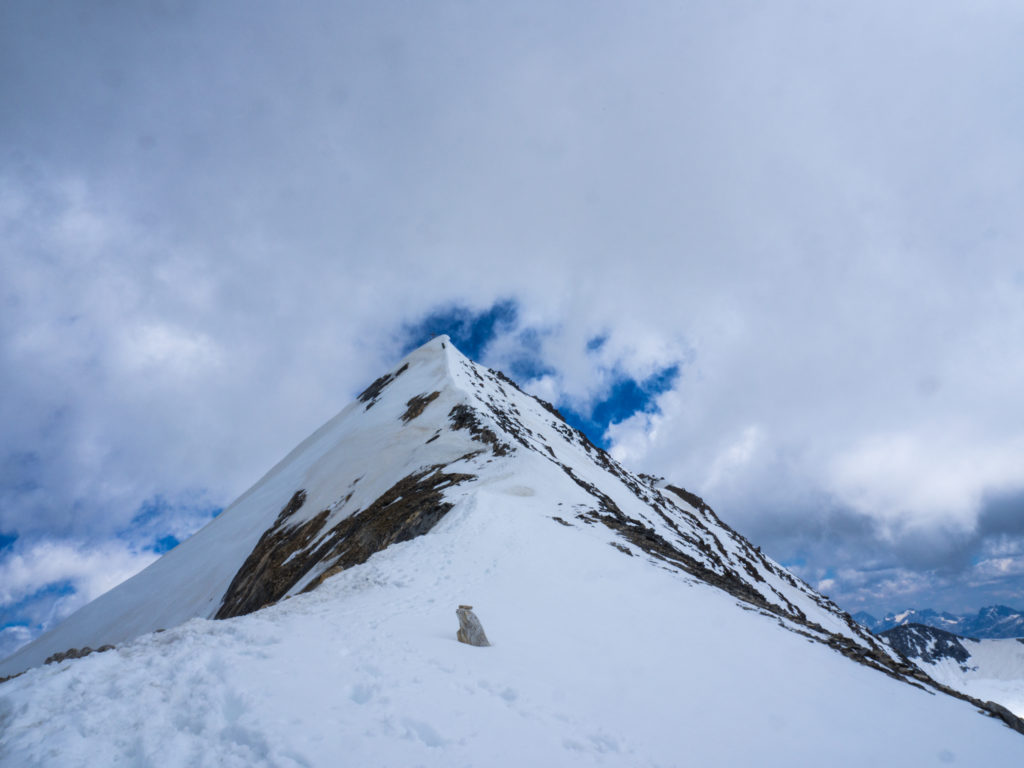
(441, 484)
(434, 433)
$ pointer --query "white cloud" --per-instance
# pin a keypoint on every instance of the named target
(90, 570)
(734, 457)
(816, 211)
(632, 437)
(12, 638)
(995, 569)
(163, 350)
(922, 478)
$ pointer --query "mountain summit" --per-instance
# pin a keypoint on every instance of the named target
(316, 617)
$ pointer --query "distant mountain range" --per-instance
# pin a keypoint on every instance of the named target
(993, 622)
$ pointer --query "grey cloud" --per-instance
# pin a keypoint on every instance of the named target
(215, 220)
(1002, 513)
(866, 568)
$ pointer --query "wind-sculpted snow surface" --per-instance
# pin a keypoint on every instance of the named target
(442, 485)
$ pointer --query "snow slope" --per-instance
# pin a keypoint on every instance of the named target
(598, 659)
(679, 643)
(479, 425)
(191, 579)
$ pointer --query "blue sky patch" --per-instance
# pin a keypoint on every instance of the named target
(160, 524)
(526, 362)
(473, 330)
(165, 544)
(7, 541)
(150, 510)
(626, 397)
(470, 330)
(20, 472)
(16, 613)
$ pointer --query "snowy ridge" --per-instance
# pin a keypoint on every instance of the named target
(610, 599)
(436, 422)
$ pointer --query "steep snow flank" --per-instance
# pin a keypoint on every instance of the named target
(612, 601)
(597, 659)
(390, 466)
(343, 467)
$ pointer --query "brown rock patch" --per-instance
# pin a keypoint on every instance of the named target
(416, 406)
(286, 553)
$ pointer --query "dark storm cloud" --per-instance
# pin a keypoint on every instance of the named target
(1002, 514)
(850, 556)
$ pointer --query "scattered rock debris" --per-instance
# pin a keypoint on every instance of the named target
(464, 417)
(998, 710)
(930, 644)
(77, 653)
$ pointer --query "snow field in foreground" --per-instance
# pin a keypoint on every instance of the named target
(598, 659)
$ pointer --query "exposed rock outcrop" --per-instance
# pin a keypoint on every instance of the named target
(372, 392)
(416, 405)
(471, 631)
(918, 641)
(286, 553)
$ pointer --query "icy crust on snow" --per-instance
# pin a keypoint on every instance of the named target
(597, 659)
(437, 411)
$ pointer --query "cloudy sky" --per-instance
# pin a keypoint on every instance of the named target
(772, 251)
